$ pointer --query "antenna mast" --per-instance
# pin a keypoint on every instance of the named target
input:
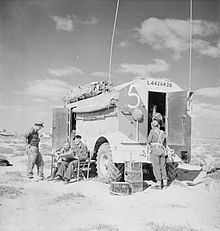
(112, 40)
(190, 45)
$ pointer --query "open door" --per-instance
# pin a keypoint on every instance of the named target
(60, 127)
(176, 112)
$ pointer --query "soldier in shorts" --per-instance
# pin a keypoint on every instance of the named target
(34, 156)
(157, 142)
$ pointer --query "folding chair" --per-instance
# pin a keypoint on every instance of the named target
(84, 168)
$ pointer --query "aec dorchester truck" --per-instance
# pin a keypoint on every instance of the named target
(115, 124)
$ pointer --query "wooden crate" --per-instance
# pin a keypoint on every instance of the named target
(133, 166)
(120, 188)
(137, 187)
(134, 176)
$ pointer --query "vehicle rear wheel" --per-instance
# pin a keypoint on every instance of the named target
(107, 171)
(172, 170)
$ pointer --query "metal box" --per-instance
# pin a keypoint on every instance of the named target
(134, 176)
(133, 166)
(120, 188)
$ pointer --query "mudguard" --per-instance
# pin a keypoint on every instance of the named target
(124, 149)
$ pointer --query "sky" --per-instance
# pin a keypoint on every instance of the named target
(49, 46)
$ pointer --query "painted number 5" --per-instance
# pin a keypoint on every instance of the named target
(134, 95)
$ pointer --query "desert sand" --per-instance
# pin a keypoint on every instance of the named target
(88, 205)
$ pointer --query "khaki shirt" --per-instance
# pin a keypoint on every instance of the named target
(80, 150)
(154, 136)
(156, 139)
(69, 155)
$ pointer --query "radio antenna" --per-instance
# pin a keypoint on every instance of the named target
(190, 45)
(112, 40)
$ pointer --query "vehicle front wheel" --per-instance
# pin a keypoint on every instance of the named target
(107, 171)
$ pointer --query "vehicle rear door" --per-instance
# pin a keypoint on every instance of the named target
(60, 127)
(176, 116)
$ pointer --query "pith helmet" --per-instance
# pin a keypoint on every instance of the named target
(154, 123)
(77, 137)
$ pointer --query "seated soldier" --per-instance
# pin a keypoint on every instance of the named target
(64, 159)
(58, 159)
(68, 167)
(81, 153)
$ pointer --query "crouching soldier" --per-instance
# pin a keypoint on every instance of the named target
(67, 170)
(58, 159)
(34, 155)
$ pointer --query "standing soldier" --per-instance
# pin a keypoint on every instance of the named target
(156, 140)
(34, 156)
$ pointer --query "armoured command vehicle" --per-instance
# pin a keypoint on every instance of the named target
(115, 123)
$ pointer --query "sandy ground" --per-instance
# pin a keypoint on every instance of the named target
(88, 205)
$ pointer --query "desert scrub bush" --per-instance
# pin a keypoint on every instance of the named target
(20, 148)
(14, 176)
(10, 192)
(6, 141)
(22, 141)
(11, 145)
(69, 198)
(19, 153)
(4, 150)
(47, 164)
(163, 227)
(100, 227)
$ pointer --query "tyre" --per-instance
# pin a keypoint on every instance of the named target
(172, 170)
(106, 169)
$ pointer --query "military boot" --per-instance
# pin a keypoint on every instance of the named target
(157, 185)
(165, 184)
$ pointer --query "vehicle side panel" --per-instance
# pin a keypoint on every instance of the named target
(130, 100)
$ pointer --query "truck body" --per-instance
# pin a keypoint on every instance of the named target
(115, 124)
